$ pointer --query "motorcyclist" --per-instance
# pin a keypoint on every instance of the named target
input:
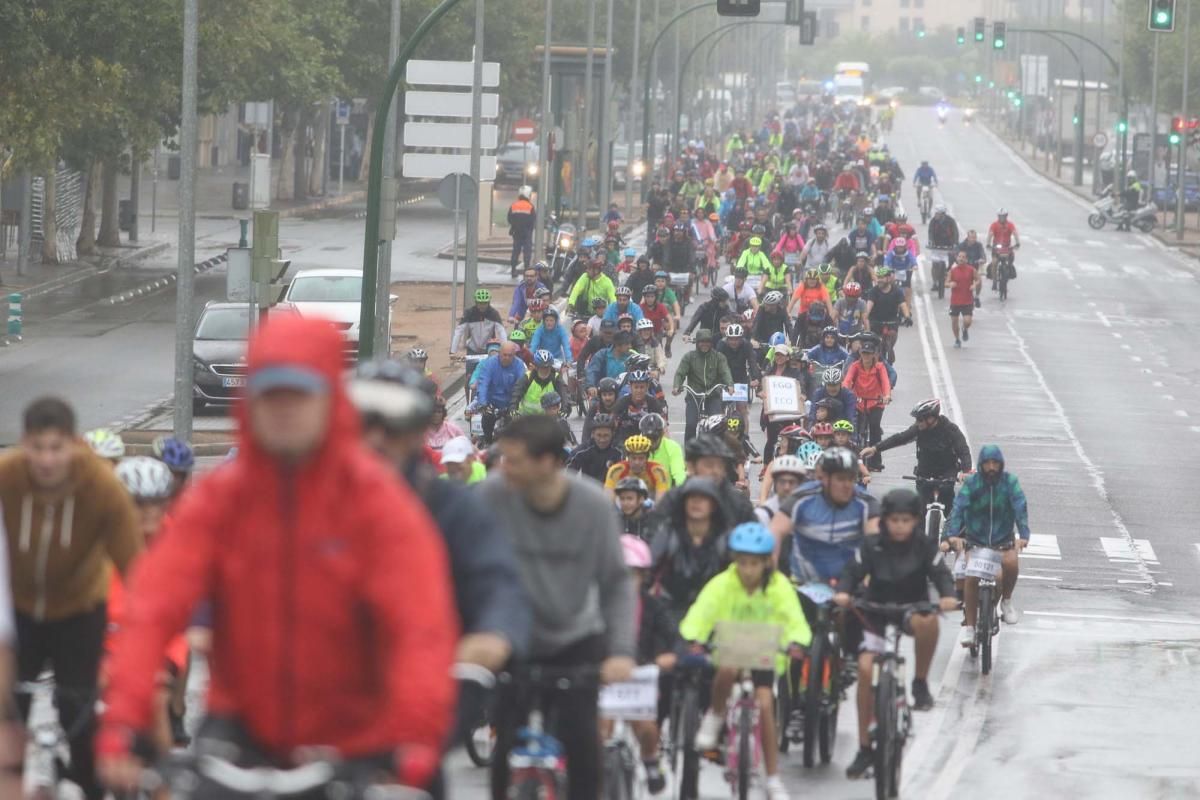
(1132, 198)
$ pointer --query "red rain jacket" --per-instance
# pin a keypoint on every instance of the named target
(334, 621)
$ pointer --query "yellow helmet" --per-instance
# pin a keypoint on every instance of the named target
(637, 445)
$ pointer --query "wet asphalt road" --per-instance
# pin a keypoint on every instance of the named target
(1085, 379)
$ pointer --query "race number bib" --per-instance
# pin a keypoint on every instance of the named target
(983, 563)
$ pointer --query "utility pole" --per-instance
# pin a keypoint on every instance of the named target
(584, 163)
(24, 238)
(471, 267)
(187, 226)
(1154, 115)
(631, 116)
(605, 140)
(1187, 134)
(544, 162)
(383, 277)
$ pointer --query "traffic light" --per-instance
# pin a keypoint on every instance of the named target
(962, 35)
(1075, 120)
(1173, 138)
(978, 78)
(1162, 16)
(998, 31)
(1122, 126)
(980, 24)
(921, 32)
(739, 8)
(1017, 101)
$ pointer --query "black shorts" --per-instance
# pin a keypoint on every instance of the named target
(762, 678)
(965, 310)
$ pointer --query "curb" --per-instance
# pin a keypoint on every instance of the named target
(106, 264)
(321, 205)
(163, 282)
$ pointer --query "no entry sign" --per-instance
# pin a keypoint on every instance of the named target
(524, 130)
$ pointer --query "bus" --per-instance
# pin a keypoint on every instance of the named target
(852, 82)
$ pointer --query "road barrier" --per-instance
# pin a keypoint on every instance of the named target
(12, 318)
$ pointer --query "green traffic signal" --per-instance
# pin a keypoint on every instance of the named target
(921, 33)
(979, 79)
(999, 29)
(1075, 120)
(1122, 126)
(1162, 16)
(961, 36)
(1017, 101)
(1173, 138)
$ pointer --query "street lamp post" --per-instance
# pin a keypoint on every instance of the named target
(544, 162)
(631, 114)
(1183, 142)
(582, 160)
(605, 140)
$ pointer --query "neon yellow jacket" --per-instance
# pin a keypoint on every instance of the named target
(754, 263)
(724, 599)
(670, 455)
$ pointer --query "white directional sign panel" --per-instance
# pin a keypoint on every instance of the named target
(449, 104)
(439, 165)
(448, 134)
(451, 73)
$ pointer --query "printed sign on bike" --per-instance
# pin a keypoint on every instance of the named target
(746, 645)
(636, 699)
(781, 397)
(984, 563)
(740, 394)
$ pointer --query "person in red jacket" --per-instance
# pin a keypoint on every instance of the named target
(334, 617)
(868, 379)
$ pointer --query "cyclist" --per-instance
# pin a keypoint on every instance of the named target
(106, 444)
(649, 345)
(885, 303)
(989, 505)
(868, 379)
(770, 320)
(964, 282)
(742, 296)
(591, 286)
(642, 274)
(942, 452)
(640, 401)
(605, 402)
(900, 260)
(753, 259)
(817, 250)
(708, 314)
(1002, 234)
(850, 312)
(829, 353)
(656, 312)
(633, 502)
(787, 473)
(553, 337)
(521, 340)
(743, 365)
(666, 296)
(478, 325)
(637, 464)
(527, 392)
(69, 522)
(460, 462)
(663, 449)
(843, 436)
(179, 458)
(809, 293)
(832, 389)
(440, 429)
(609, 362)
(594, 458)
(494, 391)
(974, 248)
(750, 590)
(896, 566)
(704, 370)
(523, 293)
(688, 546)
(943, 230)
(924, 179)
(265, 562)
(566, 533)
(624, 305)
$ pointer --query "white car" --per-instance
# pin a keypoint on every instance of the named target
(333, 294)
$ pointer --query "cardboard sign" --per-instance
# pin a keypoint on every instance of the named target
(781, 397)
(746, 645)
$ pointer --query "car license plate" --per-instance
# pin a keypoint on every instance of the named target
(234, 382)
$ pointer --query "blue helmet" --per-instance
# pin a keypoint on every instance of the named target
(542, 358)
(629, 251)
(175, 453)
(591, 241)
(753, 538)
(550, 399)
(778, 338)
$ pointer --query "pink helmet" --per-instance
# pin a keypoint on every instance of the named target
(637, 552)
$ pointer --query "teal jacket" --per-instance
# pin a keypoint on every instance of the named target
(985, 512)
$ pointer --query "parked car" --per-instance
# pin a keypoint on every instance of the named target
(517, 163)
(219, 354)
(334, 294)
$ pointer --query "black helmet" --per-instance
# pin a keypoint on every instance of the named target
(839, 459)
(901, 501)
(603, 421)
(393, 395)
(608, 385)
(652, 425)
(705, 445)
(702, 486)
(719, 293)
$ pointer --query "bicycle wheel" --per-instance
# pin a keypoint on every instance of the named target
(827, 732)
(885, 731)
(688, 777)
(745, 755)
(813, 687)
(783, 708)
(617, 784)
(983, 630)
(534, 786)
(933, 524)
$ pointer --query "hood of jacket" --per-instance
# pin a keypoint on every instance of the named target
(990, 452)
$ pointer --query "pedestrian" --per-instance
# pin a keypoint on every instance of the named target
(963, 282)
(522, 219)
(68, 522)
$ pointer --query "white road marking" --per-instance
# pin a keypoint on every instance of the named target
(1137, 272)
(1089, 267)
(1107, 324)
(1042, 545)
(1179, 412)
(1024, 577)
(1113, 618)
(1057, 240)
(1093, 243)
(1119, 550)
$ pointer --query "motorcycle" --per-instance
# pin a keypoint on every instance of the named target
(1107, 210)
(561, 251)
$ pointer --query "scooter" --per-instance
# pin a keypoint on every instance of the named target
(1106, 210)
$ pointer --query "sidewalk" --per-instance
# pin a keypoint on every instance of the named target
(1164, 233)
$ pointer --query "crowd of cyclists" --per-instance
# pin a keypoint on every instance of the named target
(359, 542)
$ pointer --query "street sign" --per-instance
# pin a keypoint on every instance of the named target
(794, 13)
(451, 73)
(1100, 140)
(343, 112)
(457, 188)
(448, 104)
(739, 8)
(448, 134)
(524, 130)
(439, 165)
(808, 27)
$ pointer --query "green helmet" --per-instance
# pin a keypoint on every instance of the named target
(483, 296)
(825, 269)
(844, 425)
(518, 335)
(883, 272)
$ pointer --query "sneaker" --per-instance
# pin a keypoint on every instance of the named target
(957, 343)
(1011, 615)
(862, 762)
(709, 732)
(922, 699)
(656, 781)
(775, 788)
(966, 636)
(966, 334)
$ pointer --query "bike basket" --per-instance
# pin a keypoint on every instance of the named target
(636, 699)
(983, 563)
(819, 593)
(791, 259)
(746, 645)
(740, 394)
(680, 278)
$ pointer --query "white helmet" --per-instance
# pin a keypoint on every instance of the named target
(735, 331)
(791, 464)
(525, 192)
(145, 478)
(105, 443)
(643, 324)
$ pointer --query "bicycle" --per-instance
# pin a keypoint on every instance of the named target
(893, 718)
(633, 700)
(985, 565)
(537, 763)
(820, 682)
(925, 200)
(889, 332)
(701, 399)
(48, 740)
(476, 729)
(935, 512)
(691, 679)
(939, 269)
(1002, 270)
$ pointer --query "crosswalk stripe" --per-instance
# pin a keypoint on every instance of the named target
(1137, 272)
(1042, 545)
(1089, 267)
(1093, 243)
(1118, 550)
(1057, 240)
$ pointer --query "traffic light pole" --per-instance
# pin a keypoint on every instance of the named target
(367, 313)
(687, 59)
(1183, 142)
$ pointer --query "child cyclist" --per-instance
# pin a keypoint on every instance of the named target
(750, 590)
(656, 644)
